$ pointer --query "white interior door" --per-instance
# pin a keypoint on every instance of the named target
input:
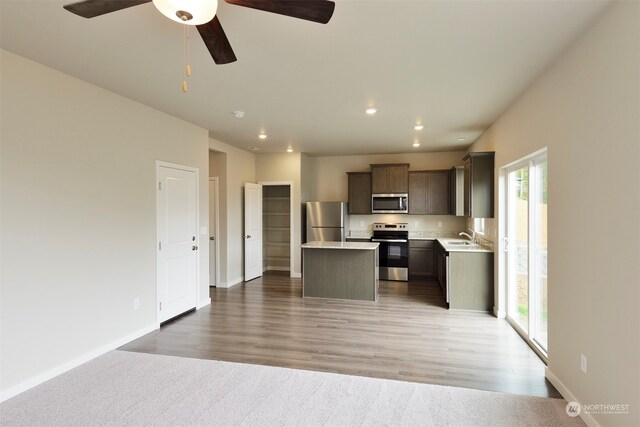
(177, 243)
(213, 231)
(252, 231)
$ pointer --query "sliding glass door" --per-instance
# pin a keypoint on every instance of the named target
(526, 246)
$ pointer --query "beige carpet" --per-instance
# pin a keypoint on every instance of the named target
(124, 388)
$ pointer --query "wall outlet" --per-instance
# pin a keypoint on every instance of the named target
(416, 224)
(136, 303)
(583, 363)
(439, 224)
(361, 223)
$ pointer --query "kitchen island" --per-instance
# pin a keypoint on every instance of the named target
(343, 270)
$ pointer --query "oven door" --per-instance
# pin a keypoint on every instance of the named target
(393, 253)
(393, 259)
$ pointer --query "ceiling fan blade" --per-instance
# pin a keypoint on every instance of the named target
(216, 40)
(93, 8)
(311, 10)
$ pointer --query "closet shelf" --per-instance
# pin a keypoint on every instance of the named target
(276, 213)
(277, 258)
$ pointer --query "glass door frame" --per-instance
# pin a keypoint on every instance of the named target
(529, 162)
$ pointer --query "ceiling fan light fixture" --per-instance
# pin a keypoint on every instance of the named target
(189, 12)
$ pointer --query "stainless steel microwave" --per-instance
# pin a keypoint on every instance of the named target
(389, 203)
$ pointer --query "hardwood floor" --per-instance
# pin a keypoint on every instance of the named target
(407, 335)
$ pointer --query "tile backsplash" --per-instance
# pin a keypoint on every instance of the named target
(418, 225)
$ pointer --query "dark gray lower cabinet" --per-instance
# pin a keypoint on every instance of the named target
(422, 259)
(471, 281)
(466, 279)
(441, 269)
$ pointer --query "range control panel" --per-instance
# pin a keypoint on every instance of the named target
(397, 226)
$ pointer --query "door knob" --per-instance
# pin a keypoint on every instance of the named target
(248, 236)
(212, 238)
(194, 248)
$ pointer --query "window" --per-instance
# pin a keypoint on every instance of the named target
(479, 226)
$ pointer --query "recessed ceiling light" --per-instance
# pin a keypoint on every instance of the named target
(238, 114)
(289, 150)
(418, 127)
(262, 136)
(371, 111)
(462, 138)
(416, 143)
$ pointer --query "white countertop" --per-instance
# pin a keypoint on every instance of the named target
(446, 244)
(341, 245)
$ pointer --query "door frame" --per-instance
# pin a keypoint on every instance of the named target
(196, 171)
(291, 217)
(216, 228)
(503, 256)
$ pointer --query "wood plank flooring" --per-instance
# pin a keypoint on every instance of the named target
(407, 335)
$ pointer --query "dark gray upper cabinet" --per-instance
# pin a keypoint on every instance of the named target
(456, 191)
(429, 192)
(390, 178)
(359, 193)
(478, 184)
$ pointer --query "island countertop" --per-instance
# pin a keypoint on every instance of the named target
(341, 245)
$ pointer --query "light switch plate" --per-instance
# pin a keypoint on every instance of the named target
(583, 363)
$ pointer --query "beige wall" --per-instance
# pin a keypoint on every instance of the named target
(329, 182)
(586, 110)
(241, 168)
(79, 217)
(285, 167)
(307, 178)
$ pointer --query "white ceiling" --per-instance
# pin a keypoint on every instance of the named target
(453, 65)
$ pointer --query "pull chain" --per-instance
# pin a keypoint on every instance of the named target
(186, 58)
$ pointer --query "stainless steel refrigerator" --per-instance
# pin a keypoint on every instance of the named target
(327, 221)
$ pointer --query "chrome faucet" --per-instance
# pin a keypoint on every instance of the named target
(472, 237)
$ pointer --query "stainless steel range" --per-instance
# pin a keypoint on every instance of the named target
(393, 250)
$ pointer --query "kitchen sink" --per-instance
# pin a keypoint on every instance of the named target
(456, 243)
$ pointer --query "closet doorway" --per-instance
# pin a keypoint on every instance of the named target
(277, 226)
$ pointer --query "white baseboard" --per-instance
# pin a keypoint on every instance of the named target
(569, 397)
(296, 275)
(231, 282)
(275, 268)
(499, 313)
(203, 303)
(67, 366)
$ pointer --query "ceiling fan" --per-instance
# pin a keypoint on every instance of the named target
(202, 14)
